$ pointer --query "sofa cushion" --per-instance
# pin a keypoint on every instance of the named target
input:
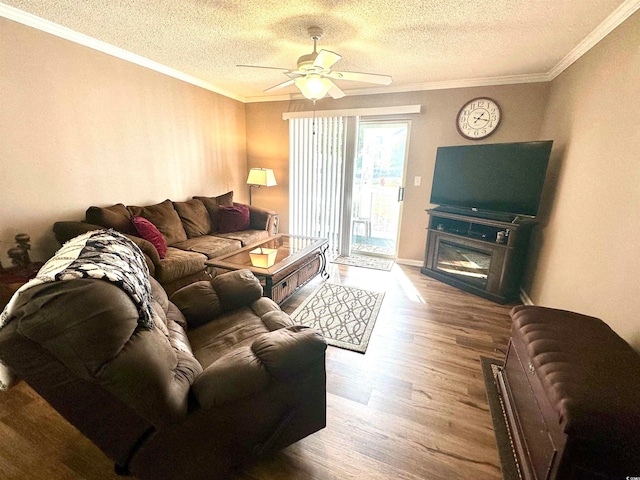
(246, 237)
(212, 205)
(165, 218)
(150, 233)
(236, 329)
(209, 245)
(233, 219)
(116, 216)
(195, 217)
(179, 263)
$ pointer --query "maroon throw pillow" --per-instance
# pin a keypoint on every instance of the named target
(150, 233)
(233, 219)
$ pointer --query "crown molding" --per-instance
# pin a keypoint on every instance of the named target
(47, 26)
(619, 15)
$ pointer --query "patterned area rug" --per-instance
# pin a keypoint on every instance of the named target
(510, 470)
(365, 261)
(344, 315)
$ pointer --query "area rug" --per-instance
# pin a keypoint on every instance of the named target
(490, 368)
(344, 315)
(365, 261)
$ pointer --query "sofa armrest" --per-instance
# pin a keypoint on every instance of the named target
(150, 252)
(235, 375)
(263, 219)
(247, 370)
(203, 301)
(286, 351)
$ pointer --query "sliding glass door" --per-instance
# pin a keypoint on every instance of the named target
(346, 179)
(378, 186)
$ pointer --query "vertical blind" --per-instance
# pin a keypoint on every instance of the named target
(316, 174)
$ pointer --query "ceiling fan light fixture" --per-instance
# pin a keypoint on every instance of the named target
(313, 86)
(314, 72)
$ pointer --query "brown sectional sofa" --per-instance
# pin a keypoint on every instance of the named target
(222, 378)
(192, 229)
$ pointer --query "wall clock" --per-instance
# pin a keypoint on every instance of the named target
(478, 118)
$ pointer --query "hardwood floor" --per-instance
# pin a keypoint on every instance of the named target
(413, 407)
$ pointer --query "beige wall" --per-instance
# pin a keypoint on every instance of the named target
(80, 128)
(268, 136)
(586, 255)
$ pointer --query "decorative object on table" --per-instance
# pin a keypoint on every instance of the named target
(344, 315)
(365, 261)
(478, 118)
(263, 257)
(260, 177)
(506, 452)
(20, 254)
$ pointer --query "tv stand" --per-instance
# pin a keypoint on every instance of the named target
(483, 256)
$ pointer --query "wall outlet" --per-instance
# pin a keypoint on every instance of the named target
(417, 181)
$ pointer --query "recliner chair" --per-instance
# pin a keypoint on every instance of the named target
(223, 378)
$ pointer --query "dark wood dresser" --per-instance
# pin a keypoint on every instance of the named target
(571, 391)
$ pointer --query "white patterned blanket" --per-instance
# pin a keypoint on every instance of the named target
(100, 254)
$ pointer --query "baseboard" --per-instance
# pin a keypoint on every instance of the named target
(524, 298)
(408, 261)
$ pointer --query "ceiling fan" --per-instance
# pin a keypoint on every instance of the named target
(313, 75)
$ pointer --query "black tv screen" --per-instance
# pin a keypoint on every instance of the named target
(501, 177)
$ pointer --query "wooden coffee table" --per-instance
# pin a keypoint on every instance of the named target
(298, 260)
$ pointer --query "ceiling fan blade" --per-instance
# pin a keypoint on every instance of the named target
(260, 66)
(361, 77)
(335, 91)
(280, 85)
(326, 59)
(295, 74)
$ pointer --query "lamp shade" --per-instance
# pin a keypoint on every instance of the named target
(261, 176)
(263, 257)
(313, 86)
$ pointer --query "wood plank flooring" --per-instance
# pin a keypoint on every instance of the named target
(413, 407)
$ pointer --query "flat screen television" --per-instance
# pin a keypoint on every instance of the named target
(505, 178)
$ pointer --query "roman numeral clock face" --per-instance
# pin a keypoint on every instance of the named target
(478, 118)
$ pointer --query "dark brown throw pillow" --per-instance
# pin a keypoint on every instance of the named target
(212, 204)
(165, 218)
(117, 217)
(195, 217)
(226, 199)
(233, 219)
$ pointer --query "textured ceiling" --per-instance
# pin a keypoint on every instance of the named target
(421, 44)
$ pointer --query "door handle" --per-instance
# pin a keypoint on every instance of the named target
(400, 194)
